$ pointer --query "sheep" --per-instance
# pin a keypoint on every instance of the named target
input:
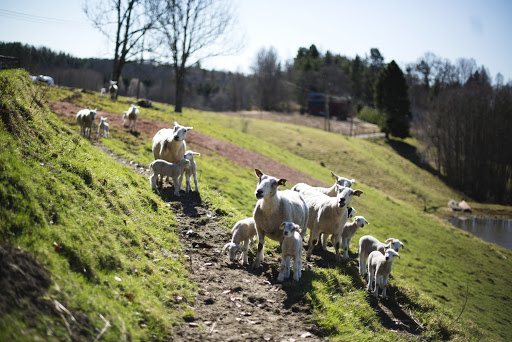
(241, 235)
(350, 213)
(290, 247)
(85, 119)
(130, 116)
(275, 207)
(348, 233)
(169, 144)
(368, 244)
(327, 215)
(191, 170)
(379, 268)
(112, 89)
(103, 127)
(338, 181)
(163, 168)
(103, 92)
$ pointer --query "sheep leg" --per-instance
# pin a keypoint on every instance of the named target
(297, 265)
(288, 260)
(195, 181)
(188, 187)
(337, 250)
(384, 285)
(259, 254)
(324, 241)
(245, 251)
(282, 269)
(177, 186)
(370, 280)
(344, 245)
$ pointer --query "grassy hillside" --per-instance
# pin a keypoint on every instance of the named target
(67, 176)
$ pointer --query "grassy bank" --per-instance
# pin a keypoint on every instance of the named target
(401, 200)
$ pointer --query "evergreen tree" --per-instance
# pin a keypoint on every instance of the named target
(391, 99)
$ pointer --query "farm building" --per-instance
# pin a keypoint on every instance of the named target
(339, 106)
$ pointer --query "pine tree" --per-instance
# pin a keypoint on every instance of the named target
(391, 99)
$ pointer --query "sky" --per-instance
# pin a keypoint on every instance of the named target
(402, 30)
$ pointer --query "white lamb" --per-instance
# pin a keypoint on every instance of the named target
(163, 168)
(103, 127)
(85, 119)
(191, 170)
(275, 207)
(327, 215)
(169, 144)
(291, 247)
(379, 268)
(241, 235)
(130, 116)
(348, 233)
(368, 244)
(338, 181)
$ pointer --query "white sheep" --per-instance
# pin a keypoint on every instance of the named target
(349, 231)
(290, 247)
(191, 170)
(112, 89)
(368, 244)
(275, 207)
(103, 127)
(130, 116)
(163, 168)
(331, 191)
(327, 215)
(85, 119)
(350, 213)
(103, 92)
(241, 235)
(379, 268)
(169, 144)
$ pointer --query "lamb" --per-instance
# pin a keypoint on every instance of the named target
(368, 244)
(163, 168)
(291, 247)
(130, 116)
(350, 213)
(103, 92)
(327, 215)
(169, 144)
(85, 119)
(275, 207)
(241, 235)
(103, 127)
(190, 170)
(112, 89)
(338, 181)
(348, 233)
(379, 268)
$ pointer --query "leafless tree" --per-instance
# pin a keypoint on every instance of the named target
(124, 23)
(193, 30)
(268, 79)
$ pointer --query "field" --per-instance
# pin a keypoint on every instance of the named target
(83, 216)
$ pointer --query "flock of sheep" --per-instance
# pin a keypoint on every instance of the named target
(280, 215)
(285, 215)
(85, 119)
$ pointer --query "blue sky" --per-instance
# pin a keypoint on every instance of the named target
(403, 30)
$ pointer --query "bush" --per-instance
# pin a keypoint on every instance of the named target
(371, 115)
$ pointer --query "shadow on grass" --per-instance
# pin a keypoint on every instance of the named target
(410, 153)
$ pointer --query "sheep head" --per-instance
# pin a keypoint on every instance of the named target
(267, 185)
(350, 212)
(390, 254)
(394, 244)
(289, 228)
(180, 132)
(232, 249)
(341, 181)
(345, 195)
(360, 221)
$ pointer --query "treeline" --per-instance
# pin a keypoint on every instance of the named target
(462, 116)
(465, 121)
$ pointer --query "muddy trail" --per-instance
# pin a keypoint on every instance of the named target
(235, 302)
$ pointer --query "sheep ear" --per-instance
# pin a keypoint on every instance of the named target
(281, 182)
(402, 245)
(334, 176)
(225, 247)
(189, 128)
(367, 222)
(297, 228)
(281, 227)
(196, 154)
(358, 193)
(388, 240)
(176, 124)
(258, 173)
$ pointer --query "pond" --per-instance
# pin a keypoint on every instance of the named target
(498, 231)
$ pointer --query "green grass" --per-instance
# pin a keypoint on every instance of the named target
(400, 200)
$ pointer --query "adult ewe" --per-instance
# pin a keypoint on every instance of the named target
(85, 119)
(275, 207)
(169, 144)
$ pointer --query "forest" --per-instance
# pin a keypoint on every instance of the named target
(457, 110)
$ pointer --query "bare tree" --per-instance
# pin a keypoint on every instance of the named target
(193, 30)
(124, 22)
(268, 79)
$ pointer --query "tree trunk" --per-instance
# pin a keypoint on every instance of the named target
(180, 89)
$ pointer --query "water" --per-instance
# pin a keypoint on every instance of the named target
(498, 231)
